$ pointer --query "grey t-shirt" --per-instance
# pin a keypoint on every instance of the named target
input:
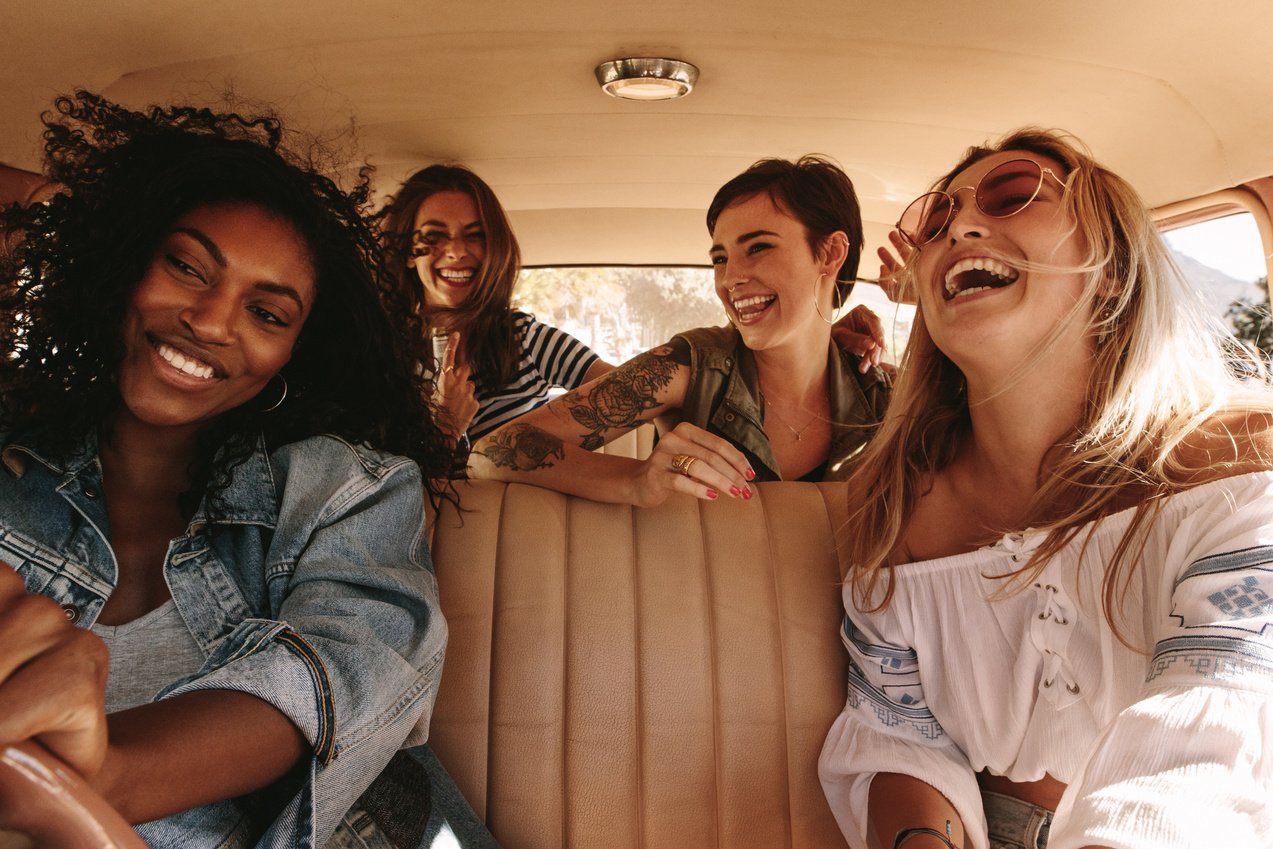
(146, 655)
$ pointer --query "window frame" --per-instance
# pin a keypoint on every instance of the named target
(1220, 204)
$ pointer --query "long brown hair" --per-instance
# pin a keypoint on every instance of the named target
(484, 319)
(1162, 371)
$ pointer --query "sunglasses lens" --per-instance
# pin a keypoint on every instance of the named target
(925, 218)
(1009, 188)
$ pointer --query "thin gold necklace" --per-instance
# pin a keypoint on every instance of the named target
(782, 421)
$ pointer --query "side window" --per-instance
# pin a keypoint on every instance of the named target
(897, 318)
(620, 311)
(1224, 258)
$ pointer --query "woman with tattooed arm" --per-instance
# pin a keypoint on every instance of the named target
(768, 397)
(450, 246)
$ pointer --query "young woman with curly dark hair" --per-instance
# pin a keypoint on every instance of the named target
(212, 429)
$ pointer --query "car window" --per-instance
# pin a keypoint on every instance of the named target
(620, 311)
(1224, 258)
(897, 318)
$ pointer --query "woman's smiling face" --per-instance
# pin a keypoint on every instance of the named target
(215, 316)
(974, 286)
(766, 275)
(448, 247)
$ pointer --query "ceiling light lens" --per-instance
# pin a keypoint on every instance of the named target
(647, 78)
(646, 89)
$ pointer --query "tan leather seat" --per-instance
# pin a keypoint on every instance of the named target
(659, 678)
(637, 443)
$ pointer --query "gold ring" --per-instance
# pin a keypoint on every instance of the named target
(681, 464)
(448, 369)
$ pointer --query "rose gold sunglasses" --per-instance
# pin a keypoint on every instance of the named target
(1004, 191)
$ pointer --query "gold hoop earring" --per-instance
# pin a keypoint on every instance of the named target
(817, 308)
(281, 398)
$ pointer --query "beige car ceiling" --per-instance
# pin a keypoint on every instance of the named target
(1178, 96)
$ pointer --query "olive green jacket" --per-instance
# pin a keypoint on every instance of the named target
(724, 398)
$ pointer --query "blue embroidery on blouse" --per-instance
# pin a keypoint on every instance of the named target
(1240, 603)
(1230, 561)
(900, 702)
(1212, 658)
(890, 657)
(890, 713)
(1243, 600)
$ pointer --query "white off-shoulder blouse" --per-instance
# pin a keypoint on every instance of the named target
(1165, 744)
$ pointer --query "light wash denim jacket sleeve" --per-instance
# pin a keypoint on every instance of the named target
(307, 583)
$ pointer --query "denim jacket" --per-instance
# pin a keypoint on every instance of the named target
(723, 398)
(307, 583)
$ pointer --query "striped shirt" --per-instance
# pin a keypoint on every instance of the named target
(549, 358)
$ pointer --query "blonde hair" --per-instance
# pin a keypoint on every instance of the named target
(1162, 369)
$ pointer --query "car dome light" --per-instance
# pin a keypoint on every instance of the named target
(647, 78)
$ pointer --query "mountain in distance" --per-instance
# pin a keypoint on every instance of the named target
(1217, 288)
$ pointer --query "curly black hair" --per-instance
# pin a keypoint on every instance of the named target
(73, 262)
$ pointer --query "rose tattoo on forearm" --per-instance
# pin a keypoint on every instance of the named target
(619, 398)
(523, 448)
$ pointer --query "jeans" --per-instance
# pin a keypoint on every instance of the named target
(413, 804)
(1014, 824)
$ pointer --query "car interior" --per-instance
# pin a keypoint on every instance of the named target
(664, 678)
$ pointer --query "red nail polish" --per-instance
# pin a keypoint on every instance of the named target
(736, 492)
(711, 493)
(751, 475)
(747, 494)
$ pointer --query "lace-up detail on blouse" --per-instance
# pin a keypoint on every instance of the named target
(1019, 546)
(1050, 632)
(1052, 623)
(1025, 678)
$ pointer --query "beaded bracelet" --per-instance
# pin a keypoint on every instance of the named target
(907, 833)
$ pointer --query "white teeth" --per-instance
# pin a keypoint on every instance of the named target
(992, 266)
(181, 363)
(457, 275)
(743, 303)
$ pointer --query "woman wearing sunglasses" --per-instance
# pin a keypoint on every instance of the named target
(1058, 616)
(769, 397)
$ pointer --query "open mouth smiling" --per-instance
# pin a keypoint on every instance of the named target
(977, 274)
(184, 363)
(750, 308)
(457, 276)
